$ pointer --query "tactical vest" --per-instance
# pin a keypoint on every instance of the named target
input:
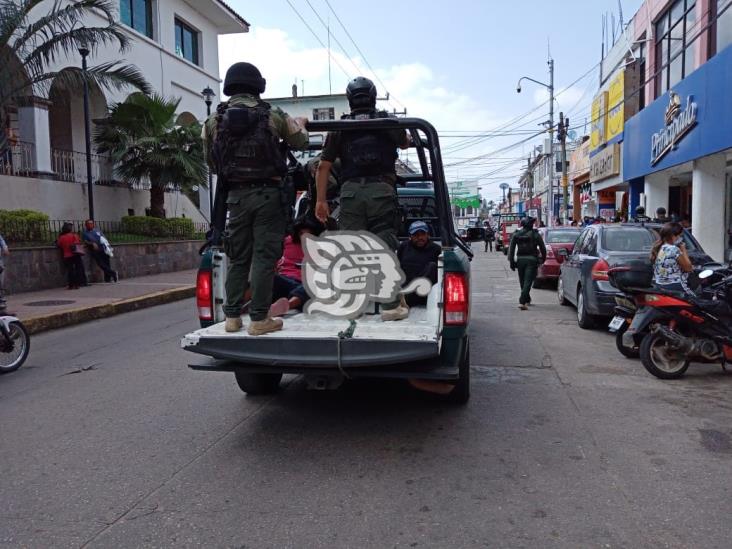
(367, 153)
(526, 243)
(245, 149)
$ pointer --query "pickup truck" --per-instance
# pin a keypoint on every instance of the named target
(432, 344)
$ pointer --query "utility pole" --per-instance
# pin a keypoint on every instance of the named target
(562, 130)
(550, 221)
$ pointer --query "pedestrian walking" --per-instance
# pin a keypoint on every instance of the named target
(4, 252)
(368, 193)
(490, 237)
(72, 249)
(243, 145)
(526, 252)
(100, 250)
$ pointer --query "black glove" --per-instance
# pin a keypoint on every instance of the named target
(513, 266)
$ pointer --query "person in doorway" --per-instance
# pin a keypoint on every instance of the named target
(671, 263)
(368, 177)
(661, 216)
(418, 258)
(72, 250)
(490, 237)
(4, 252)
(100, 250)
(526, 252)
(243, 143)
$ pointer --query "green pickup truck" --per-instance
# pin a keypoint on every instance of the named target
(432, 344)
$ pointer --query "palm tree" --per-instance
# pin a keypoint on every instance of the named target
(146, 144)
(30, 43)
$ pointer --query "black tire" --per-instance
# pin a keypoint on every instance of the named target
(628, 352)
(560, 293)
(585, 320)
(461, 392)
(258, 384)
(20, 337)
(651, 355)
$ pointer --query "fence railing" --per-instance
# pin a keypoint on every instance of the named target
(45, 233)
(71, 166)
(18, 159)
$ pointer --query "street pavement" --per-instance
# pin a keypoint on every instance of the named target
(109, 440)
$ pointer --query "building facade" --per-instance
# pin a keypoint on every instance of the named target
(174, 45)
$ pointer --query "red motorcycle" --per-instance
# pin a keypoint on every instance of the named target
(689, 328)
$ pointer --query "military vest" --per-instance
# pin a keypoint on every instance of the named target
(526, 242)
(245, 149)
(367, 153)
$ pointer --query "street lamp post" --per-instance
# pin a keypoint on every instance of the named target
(550, 171)
(84, 52)
(208, 95)
(504, 187)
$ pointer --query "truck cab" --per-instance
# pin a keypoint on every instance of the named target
(432, 344)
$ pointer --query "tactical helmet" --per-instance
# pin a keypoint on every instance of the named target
(361, 93)
(243, 77)
(640, 210)
(527, 222)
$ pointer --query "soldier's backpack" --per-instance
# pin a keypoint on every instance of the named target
(526, 242)
(367, 153)
(244, 148)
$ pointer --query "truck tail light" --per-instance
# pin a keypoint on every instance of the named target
(204, 297)
(456, 299)
(549, 252)
(600, 269)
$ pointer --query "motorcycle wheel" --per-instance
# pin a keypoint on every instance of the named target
(628, 352)
(13, 358)
(660, 359)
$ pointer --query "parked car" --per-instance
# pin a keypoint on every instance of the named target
(562, 238)
(583, 280)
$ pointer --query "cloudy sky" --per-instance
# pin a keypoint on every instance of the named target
(455, 64)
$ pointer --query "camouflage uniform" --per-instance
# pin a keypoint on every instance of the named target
(257, 220)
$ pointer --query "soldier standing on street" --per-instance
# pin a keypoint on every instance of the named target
(526, 248)
(244, 147)
(368, 175)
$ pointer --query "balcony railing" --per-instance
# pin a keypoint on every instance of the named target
(71, 166)
(18, 159)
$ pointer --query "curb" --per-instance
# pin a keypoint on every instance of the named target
(53, 321)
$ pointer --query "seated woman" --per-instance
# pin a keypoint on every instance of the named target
(671, 263)
(288, 292)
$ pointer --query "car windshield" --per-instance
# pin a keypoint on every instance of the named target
(561, 236)
(628, 239)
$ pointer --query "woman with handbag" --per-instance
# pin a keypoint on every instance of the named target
(73, 250)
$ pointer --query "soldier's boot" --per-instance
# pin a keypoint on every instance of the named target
(261, 327)
(233, 324)
(398, 313)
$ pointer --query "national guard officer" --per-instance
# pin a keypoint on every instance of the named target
(244, 147)
(368, 176)
(524, 251)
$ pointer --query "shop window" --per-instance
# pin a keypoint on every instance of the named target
(724, 24)
(327, 113)
(138, 15)
(677, 40)
(186, 41)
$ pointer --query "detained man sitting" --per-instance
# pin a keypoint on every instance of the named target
(418, 258)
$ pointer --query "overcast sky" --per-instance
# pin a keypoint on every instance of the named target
(455, 67)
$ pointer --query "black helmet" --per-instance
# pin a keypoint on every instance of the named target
(527, 222)
(243, 78)
(640, 210)
(361, 93)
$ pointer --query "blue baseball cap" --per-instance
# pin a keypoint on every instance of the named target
(418, 226)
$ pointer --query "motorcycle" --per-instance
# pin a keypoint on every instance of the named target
(14, 344)
(691, 329)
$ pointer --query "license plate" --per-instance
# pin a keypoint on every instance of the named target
(616, 323)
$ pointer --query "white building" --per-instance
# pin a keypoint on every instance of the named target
(175, 46)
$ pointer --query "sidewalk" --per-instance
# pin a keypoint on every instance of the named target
(51, 309)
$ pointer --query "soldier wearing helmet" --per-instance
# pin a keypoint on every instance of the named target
(245, 142)
(368, 176)
(526, 252)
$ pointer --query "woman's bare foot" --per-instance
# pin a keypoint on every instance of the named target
(279, 307)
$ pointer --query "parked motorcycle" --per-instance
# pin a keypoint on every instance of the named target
(14, 344)
(692, 329)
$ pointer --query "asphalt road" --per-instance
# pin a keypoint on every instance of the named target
(108, 440)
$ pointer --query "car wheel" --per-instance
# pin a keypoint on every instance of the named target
(585, 321)
(560, 293)
(258, 384)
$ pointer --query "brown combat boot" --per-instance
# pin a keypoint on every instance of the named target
(233, 324)
(261, 327)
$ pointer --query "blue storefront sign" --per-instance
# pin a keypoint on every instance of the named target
(690, 121)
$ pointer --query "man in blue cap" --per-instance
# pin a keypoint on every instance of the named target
(418, 257)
